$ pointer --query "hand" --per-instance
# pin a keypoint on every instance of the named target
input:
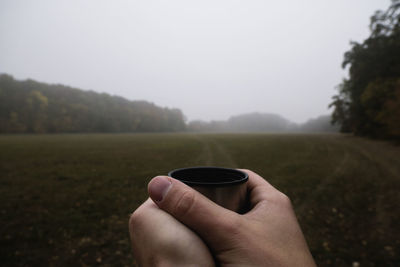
(268, 235)
(158, 239)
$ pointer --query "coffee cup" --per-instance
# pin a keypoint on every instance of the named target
(226, 187)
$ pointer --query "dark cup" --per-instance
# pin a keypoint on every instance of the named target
(224, 186)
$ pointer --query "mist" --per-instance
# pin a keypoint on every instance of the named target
(211, 59)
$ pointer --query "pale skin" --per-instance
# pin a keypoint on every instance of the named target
(180, 227)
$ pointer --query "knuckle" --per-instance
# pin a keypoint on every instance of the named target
(135, 218)
(139, 218)
(284, 199)
(184, 204)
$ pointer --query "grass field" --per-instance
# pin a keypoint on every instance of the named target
(65, 200)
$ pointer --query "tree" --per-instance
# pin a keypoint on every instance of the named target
(381, 100)
(374, 68)
(33, 107)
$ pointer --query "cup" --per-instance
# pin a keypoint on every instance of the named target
(224, 186)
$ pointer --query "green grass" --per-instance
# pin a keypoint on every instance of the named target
(65, 200)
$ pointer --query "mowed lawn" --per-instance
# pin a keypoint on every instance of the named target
(65, 200)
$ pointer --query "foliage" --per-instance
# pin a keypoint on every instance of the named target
(381, 100)
(367, 100)
(33, 107)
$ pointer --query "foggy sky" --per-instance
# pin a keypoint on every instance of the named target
(211, 59)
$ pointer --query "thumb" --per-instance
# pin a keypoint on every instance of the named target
(210, 221)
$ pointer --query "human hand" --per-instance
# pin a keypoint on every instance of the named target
(158, 239)
(267, 235)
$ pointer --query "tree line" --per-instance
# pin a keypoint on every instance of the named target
(368, 101)
(263, 123)
(33, 107)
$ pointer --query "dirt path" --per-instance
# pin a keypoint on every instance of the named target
(321, 187)
(214, 153)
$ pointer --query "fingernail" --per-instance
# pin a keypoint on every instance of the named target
(159, 187)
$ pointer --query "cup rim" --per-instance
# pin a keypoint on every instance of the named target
(242, 179)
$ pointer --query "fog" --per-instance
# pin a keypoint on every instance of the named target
(211, 59)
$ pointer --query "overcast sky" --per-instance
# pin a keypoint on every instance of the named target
(209, 58)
